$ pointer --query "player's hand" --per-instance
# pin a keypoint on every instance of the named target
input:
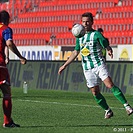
(61, 69)
(110, 53)
(23, 60)
(7, 60)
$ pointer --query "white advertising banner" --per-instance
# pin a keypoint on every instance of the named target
(120, 53)
(35, 52)
(125, 52)
(115, 56)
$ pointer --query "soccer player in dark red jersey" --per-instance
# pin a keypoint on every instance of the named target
(6, 40)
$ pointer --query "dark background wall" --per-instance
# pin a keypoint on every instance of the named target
(44, 75)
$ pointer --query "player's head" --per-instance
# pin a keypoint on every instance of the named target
(87, 20)
(100, 30)
(4, 17)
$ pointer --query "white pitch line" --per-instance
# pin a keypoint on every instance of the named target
(68, 104)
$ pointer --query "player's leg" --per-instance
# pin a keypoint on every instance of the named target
(7, 101)
(105, 77)
(99, 98)
(93, 84)
(118, 94)
(103, 74)
(115, 90)
(7, 106)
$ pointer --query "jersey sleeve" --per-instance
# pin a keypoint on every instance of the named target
(7, 34)
(77, 47)
(104, 42)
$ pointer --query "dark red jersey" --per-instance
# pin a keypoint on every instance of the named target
(5, 34)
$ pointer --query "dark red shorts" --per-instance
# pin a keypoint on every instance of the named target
(4, 75)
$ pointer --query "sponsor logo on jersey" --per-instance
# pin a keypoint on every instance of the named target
(82, 44)
(85, 52)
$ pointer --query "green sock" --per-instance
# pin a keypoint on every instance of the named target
(118, 94)
(101, 101)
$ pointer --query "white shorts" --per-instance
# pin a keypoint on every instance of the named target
(94, 75)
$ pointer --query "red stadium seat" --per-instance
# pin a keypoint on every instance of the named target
(58, 16)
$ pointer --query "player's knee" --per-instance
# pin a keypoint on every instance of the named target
(95, 91)
(109, 85)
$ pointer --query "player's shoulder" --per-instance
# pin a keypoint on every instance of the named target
(4, 27)
(96, 32)
(7, 29)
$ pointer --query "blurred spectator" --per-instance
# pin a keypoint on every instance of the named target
(51, 39)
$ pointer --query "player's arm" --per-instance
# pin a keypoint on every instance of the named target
(110, 51)
(71, 58)
(105, 44)
(7, 35)
(6, 55)
(14, 49)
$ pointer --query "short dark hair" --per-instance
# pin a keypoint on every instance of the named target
(4, 16)
(89, 15)
(100, 30)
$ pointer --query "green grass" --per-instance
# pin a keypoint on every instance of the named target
(47, 111)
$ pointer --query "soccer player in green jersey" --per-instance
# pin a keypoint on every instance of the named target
(94, 67)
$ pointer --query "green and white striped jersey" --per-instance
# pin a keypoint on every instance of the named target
(90, 47)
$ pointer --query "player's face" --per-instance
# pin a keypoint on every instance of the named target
(87, 23)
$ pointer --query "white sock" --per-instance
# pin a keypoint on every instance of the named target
(108, 110)
(126, 104)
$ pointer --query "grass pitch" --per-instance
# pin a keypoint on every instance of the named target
(47, 111)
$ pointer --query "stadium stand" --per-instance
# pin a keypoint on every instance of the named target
(34, 21)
